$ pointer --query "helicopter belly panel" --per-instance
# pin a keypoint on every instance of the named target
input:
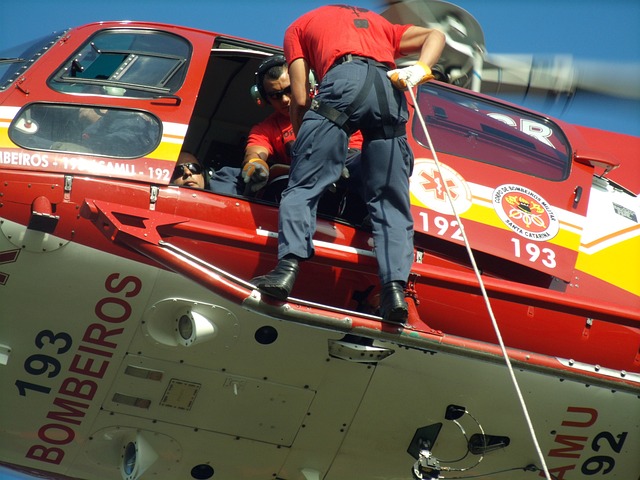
(413, 390)
(112, 354)
(68, 315)
(206, 399)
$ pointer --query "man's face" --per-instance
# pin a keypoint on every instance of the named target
(188, 172)
(278, 93)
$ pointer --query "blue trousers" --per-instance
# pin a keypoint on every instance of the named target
(318, 157)
(227, 181)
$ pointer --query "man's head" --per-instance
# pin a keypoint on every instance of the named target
(188, 172)
(273, 85)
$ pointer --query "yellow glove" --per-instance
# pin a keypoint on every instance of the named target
(256, 171)
(409, 77)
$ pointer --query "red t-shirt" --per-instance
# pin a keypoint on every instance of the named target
(275, 133)
(327, 33)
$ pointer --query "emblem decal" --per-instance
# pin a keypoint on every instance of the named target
(428, 186)
(525, 212)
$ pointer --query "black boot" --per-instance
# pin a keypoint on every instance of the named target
(393, 308)
(278, 283)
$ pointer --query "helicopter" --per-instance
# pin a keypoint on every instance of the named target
(133, 346)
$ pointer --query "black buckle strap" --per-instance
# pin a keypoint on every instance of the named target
(349, 58)
(330, 113)
(341, 119)
(385, 132)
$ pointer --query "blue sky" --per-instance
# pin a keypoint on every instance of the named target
(595, 30)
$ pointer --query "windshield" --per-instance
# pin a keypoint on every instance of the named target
(14, 61)
(126, 63)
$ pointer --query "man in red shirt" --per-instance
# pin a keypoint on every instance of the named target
(352, 51)
(270, 141)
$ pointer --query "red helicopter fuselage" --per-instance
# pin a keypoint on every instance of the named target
(96, 245)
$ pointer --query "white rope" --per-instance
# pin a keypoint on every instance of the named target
(484, 292)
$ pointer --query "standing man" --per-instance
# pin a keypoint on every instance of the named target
(352, 51)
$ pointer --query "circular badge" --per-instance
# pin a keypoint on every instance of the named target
(430, 185)
(525, 212)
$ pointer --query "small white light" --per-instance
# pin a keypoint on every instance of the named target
(185, 327)
(137, 457)
(129, 459)
(193, 328)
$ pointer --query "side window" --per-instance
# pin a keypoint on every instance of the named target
(83, 129)
(128, 63)
(480, 130)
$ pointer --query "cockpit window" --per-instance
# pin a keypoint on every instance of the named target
(83, 129)
(127, 63)
(480, 130)
(14, 61)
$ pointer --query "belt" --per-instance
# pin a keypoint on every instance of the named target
(349, 58)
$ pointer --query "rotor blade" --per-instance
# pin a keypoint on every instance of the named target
(558, 75)
(467, 64)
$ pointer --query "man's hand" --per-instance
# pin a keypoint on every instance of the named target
(409, 77)
(256, 171)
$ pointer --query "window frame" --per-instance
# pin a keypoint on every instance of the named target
(66, 79)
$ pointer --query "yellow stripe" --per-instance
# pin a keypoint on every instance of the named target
(166, 151)
(635, 229)
(566, 237)
(4, 139)
(605, 264)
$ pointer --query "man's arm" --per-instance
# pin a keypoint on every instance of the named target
(300, 100)
(255, 151)
(428, 41)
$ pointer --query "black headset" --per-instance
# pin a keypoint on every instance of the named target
(257, 90)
